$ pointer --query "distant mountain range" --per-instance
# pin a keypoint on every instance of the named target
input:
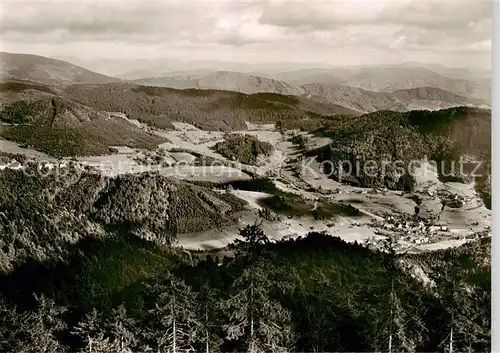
(361, 100)
(130, 69)
(469, 82)
(227, 81)
(362, 89)
(390, 78)
(65, 110)
(348, 96)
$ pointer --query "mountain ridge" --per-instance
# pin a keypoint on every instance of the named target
(360, 89)
(351, 97)
(41, 69)
(380, 78)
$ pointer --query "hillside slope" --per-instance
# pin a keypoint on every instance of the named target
(403, 100)
(40, 69)
(42, 215)
(444, 136)
(208, 109)
(60, 127)
(76, 120)
(426, 97)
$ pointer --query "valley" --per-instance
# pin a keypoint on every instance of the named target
(376, 205)
(176, 133)
(342, 209)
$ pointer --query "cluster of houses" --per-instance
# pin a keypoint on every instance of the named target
(15, 165)
(410, 228)
(12, 164)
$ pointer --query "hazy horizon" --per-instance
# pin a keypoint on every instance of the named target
(450, 33)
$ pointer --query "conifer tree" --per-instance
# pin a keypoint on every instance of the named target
(174, 324)
(31, 331)
(116, 332)
(257, 321)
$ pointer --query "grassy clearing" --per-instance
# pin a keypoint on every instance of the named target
(292, 205)
(260, 184)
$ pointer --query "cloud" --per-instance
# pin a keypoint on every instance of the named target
(147, 21)
(319, 16)
(418, 22)
(438, 15)
(241, 29)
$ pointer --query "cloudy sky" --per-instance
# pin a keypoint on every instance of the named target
(454, 33)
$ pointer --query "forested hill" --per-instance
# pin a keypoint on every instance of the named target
(43, 214)
(316, 293)
(444, 136)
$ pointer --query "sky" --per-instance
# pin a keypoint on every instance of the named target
(453, 33)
